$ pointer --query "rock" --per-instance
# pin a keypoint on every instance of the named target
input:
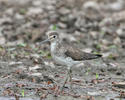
(77, 33)
(114, 6)
(5, 20)
(91, 5)
(2, 39)
(34, 10)
(50, 7)
(119, 84)
(36, 3)
(106, 21)
(19, 16)
(119, 32)
(64, 11)
(80, 22)
(9, 11)
(94, 34)
(117, 41)
(18, 2)
(105, 42)
(62, 25)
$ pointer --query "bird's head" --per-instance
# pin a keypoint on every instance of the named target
(53, 36)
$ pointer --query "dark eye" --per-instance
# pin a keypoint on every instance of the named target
(54, 36)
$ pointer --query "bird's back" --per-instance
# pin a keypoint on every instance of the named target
(79, 55)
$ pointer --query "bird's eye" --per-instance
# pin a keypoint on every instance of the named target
(54, 36)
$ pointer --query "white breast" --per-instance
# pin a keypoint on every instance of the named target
(53, 47)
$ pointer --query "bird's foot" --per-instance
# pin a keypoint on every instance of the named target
(63, 86)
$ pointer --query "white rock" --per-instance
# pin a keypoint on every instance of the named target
(34, 68)
(5, 19)
(64, 11)
(34, 10)
(2, 38)
(119, 32)
(9, 11)
(19, 16)
(36, 2)
(90, 4)
(116, 6)
(14, 63)
(36, 74)
(117, 41)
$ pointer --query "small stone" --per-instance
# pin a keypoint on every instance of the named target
(36, 2)
(106, 21)
(94, 34)
(115, 6)
(77, 33)
(117, 41)
(9, 11)
(119, 32)
(34, 67)
(5, 20)
(34, 10)
(18, 16)
(36, 74)
(91, 4)
(2, 40)
(50, 7)
(62, 25)
(105, 42)
(64, 11)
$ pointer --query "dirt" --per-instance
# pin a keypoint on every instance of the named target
(27, 71)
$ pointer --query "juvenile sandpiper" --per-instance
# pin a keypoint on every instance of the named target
(65, 54)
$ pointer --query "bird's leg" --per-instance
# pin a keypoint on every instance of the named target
(70, 75)
(67, 76)
(70, 78)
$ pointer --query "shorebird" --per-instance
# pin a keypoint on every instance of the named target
(65, 54)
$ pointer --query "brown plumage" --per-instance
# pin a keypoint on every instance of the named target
(77, 54)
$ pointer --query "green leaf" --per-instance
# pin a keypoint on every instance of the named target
(22, 92)
(22, 45)
(110, 56)
(41, 52)
(89, 69)
(22, 11)
(97, 75)
(49, 56)
(11, 49)
(95, 52)
(54, 27)
(112, 46)
(98, 46)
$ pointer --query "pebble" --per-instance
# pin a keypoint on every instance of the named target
(91, 4)
(34, 10)
(64, 11)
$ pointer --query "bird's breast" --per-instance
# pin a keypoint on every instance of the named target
(53, 47)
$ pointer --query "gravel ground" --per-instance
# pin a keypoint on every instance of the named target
(27, 69)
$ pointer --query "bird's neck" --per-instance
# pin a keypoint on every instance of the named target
(54, 46)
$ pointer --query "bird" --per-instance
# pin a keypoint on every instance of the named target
(67, 55)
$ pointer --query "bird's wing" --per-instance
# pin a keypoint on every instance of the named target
(77, 54)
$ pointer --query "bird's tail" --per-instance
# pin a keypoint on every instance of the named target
(95, 56)
(92, 56)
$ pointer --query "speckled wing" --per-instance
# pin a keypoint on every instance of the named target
(77, 54)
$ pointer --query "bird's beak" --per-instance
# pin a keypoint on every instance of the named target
(47, 40)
